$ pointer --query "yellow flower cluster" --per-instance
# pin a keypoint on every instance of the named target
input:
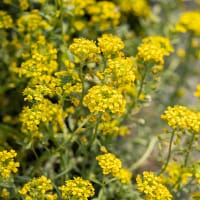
(42, 60)
(4, 193)
(197, 93)
(32, 22)
(124, 175)
(153, 49)
(38, 188)
(189, 21)
(84, 49)
(112, 128)
(43, 112)
(152, 187)
(105, 14)
(197, 176)
(119, 73)
(24, 4)
(109, 163)
(180, 117)
(176, 173)
(5, 20)
(41, 86)
(139, 8)
(103, 98)
(78, 189)
(7, 164)
(110, 45)
(78, 6)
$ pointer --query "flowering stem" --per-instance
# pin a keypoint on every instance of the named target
(142, 81)
(82, 81)
(169, 153)
(95, 131)
(189, 149)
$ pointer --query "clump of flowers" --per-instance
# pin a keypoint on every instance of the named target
(45, 113)
(110, 45)
(112, 127)
(151, 186)
(5, 20)
(189, 21)
(109, 163)
(40, 61)
(139, 8)
(180, 117)
(78, 188)
(103, 98)
(32, 22)
(7, 163)
(38, 188)
(176, 173)
(84, 49)
(153, 49)
(124, 175)
(197, 92)
(105, 14)
(120, 73)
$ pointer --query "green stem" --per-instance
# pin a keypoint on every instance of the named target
(169, 153)
(189, 149)
(82, 81)
(95, 131)
(184, 64)
(142, 81)
(147, 153)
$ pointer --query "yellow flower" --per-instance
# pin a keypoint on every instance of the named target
(43, 112)
(189, 21)
(119, 73)
(124, 175)
(153, 49)
(24, 5)
(110, 45)
(197, 93)
(112, 128)
(5, 20)
(102, 98)
(38, 188)
(105, 14)
(7, 164)
(109, 163)
(32, 22)
(84, 49)
(175, 173)
(78, 188)
(152, 187)
(139, 8)
(180, 117)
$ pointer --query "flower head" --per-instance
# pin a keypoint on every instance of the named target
(5, 20)
(84, 49)
(152, 187)
(124, 175)
(78, 188)
(197, 92)
(109, 163)
(105, 14)
(189, 21)
(102, 98)
(38, 188)
(180, 117)
(7, 164)
(110, 45)
(154, 48)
